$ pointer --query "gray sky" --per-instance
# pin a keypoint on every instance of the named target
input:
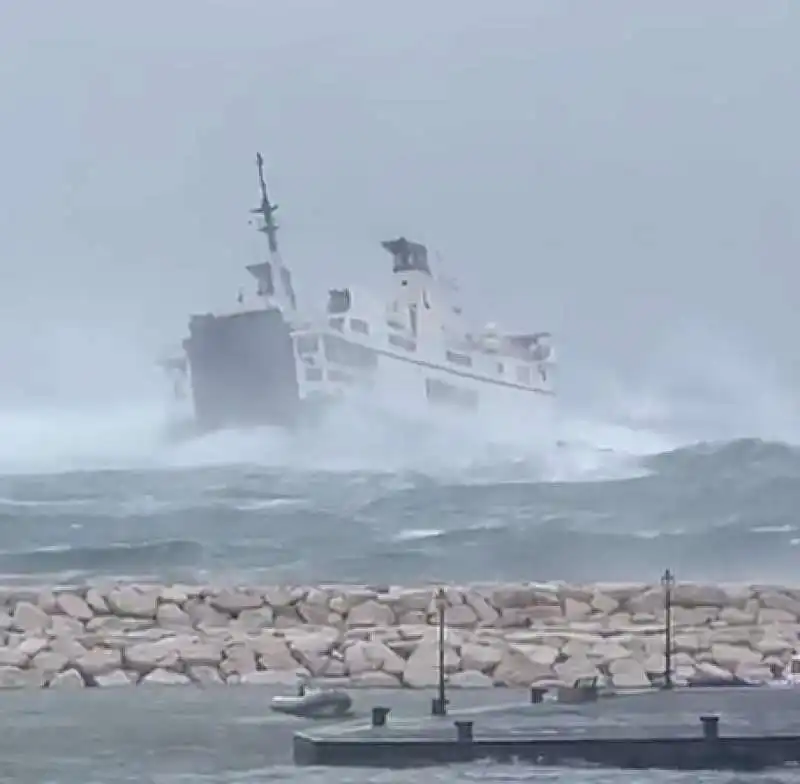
(623, 173)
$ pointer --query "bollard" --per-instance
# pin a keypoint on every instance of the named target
(710, 727)
(464, 731)
(379, 714)
(537, 694)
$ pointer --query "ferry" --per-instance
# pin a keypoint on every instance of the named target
(264, 362)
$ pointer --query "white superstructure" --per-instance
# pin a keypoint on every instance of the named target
(416, 347)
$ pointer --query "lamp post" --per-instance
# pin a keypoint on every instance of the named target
(668, 583)
(439, 704)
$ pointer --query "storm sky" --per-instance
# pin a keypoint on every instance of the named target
(626, 174)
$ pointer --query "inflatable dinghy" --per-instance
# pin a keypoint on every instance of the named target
(314, 704)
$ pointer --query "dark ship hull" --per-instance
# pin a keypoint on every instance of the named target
(242, 370)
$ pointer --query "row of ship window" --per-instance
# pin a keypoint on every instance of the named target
(354, 355)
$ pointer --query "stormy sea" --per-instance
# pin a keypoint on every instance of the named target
(92, 494)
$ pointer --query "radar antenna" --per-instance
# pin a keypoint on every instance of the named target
(266, 209)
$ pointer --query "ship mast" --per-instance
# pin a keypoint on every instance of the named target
(263, 272)
(267, 210)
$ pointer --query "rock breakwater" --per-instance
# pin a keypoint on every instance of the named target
(357, 636)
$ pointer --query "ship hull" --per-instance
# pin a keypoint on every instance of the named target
(242, 371)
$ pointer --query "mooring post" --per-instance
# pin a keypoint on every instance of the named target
(710, 727)
(537, 694)
(464, 731)
(668, 583)
(439, 704)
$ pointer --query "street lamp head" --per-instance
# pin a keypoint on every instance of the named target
(668, 579)
(441, 599)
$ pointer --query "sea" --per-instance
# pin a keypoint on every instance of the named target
(92, 494)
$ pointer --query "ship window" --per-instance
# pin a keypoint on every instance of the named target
(402, 342)
(440, 392)
(342, 352)
(307, 344)
(313, 374)
(795, 666)
(337, 324)
(459, 359)
(524, 374)
(359, 325)
(338, 300)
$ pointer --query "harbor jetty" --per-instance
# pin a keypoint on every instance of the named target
(517, 635)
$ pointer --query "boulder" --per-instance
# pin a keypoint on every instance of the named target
(98, 661)
(376, 679)
(113, 679)
(272, 677)
(732, 657)
(69, 679)
(146, 656)
(74, 606)
(13, 657)
(133, 602)
(29, 618)
(160, 677)
(371, 655)
(370, 613)
(470, 679)
(205, 676)
(171, 615)
(693, 595)
(49, 662)
(273, 653)
(461, 616)
(777, 600)
(234, 602)
(96, 602)
(15, 678)
(422, 668)
(481, 656)
(628, 674)
(516, 669)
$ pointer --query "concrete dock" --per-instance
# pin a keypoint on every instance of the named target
(690, 728)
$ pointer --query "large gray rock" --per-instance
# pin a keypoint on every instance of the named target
(13, 657)
(516, 669)
(171, 615)
(160, 677)
(114, 679)
(628, 674)
(30, 618)
(370, 613)
(422, 668)
(470, 679)
(15, 678)
(68, 680)
(74, 606)
(132, 601)
(234, 602)
(481, 656)
(98, 661)
(371, 655)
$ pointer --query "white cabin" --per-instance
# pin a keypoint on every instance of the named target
(416, 344)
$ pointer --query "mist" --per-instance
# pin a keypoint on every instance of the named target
(622, 174)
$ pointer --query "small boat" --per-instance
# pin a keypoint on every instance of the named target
(314, 703)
